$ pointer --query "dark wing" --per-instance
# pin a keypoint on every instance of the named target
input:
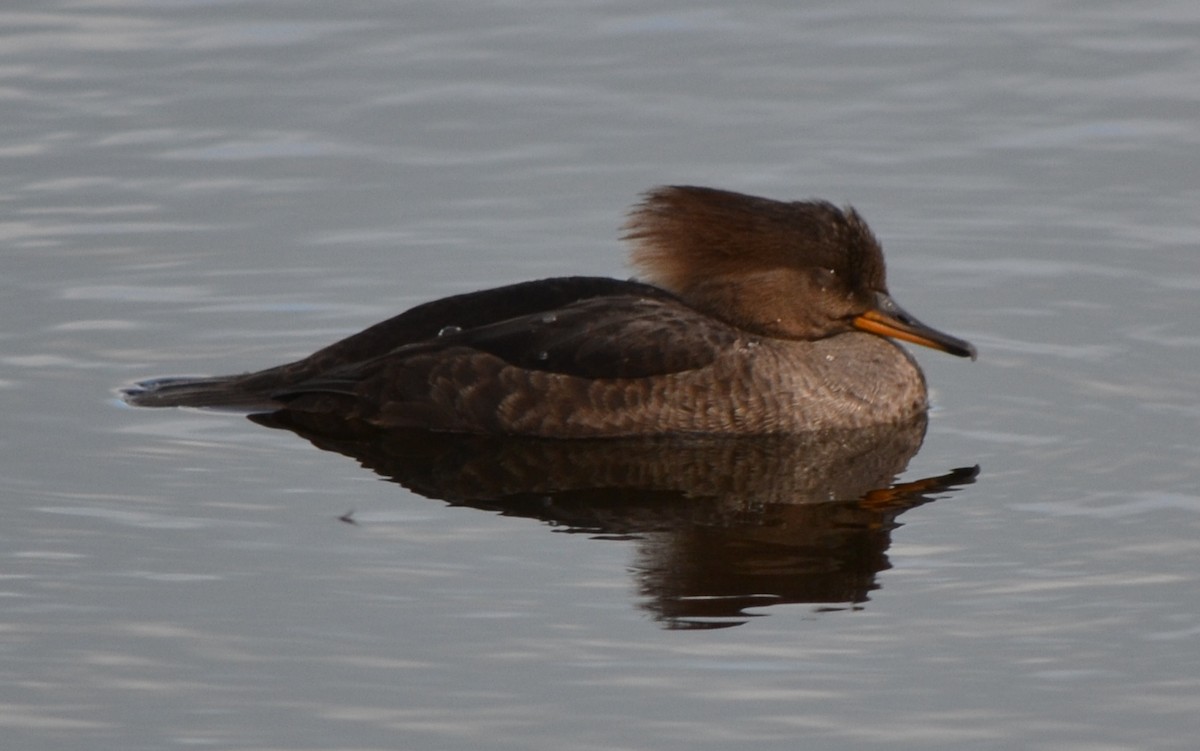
(465, 312)
(584, 326)
(605, 337)
(473, 310)
(608, 337)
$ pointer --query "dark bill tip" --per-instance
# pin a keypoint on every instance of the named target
(889, 319)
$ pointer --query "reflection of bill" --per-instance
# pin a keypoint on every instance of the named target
(721, 524)
(820, 552)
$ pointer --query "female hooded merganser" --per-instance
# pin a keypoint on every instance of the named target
(756, 317)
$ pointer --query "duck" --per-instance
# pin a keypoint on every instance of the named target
(749, 316)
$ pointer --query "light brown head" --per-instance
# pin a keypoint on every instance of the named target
(791, 270)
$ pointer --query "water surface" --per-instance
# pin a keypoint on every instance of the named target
(208, 187)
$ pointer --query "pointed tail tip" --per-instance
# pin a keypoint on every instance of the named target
(217, 392)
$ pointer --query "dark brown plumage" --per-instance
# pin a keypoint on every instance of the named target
(760, 317)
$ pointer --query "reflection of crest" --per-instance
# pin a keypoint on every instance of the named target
(722, 524)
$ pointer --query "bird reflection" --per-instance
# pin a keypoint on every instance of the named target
(722, 525)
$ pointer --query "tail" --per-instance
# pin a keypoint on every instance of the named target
(222, 392)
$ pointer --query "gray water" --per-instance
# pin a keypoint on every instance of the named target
(207, 187)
